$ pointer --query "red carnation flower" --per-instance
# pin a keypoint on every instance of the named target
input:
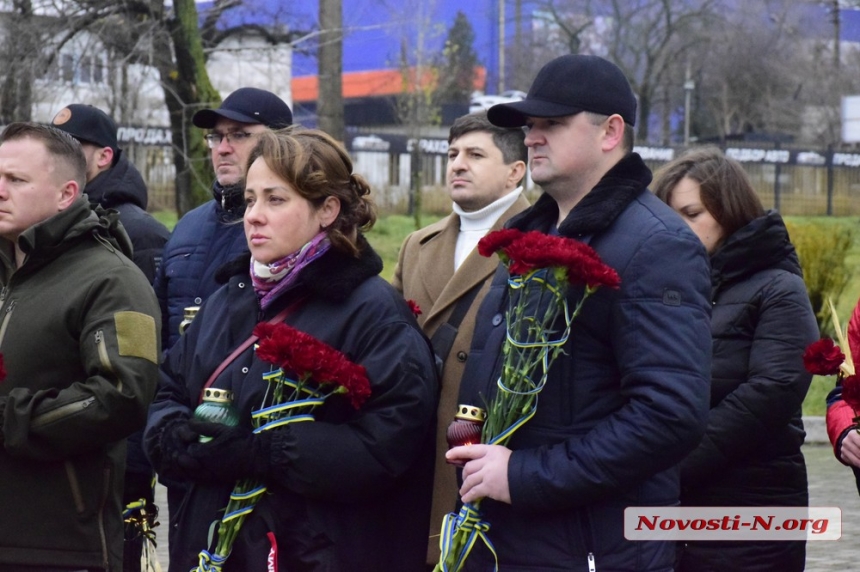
(823, 357)
(594, 273)
(497, 240)
(308, 358)
(413, 305)
(532, 250)
(273, 347)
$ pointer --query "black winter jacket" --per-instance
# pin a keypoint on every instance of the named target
(623, 405)
(350, 491)
(122, 188)
(761, 323)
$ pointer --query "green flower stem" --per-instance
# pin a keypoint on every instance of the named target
(228, 531)
(527, 352)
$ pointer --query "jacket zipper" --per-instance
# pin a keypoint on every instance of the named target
(7, 314)
(104, 358)
(60, 412)
(589, 539)
(101, 517)
(72, 408)
(75, 486)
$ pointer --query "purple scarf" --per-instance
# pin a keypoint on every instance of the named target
(272, 279)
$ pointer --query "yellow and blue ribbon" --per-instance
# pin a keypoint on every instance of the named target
(208, 562)
(468, 520)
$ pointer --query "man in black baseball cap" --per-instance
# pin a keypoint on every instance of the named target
(639, 356)
(243, 114)
(113, 181)
(576, 91)
(88, 124)
(208, 236)
(248, 105)
(568, 85)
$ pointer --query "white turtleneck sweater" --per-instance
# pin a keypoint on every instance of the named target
(474, 225)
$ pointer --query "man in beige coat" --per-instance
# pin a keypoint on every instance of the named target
(440, 268)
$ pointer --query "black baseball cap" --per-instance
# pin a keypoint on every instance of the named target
(87, 124)
(248, 105)
(567, 85)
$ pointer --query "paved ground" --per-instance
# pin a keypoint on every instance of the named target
(830, 484)
(161, 530)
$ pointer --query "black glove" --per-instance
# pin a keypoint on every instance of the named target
(233, 453)
(175, 439)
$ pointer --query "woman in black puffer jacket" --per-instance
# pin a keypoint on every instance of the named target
(761, 323)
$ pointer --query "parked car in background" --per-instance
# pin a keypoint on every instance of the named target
(480, 101)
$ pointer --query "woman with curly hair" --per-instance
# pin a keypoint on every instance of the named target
(336, 487)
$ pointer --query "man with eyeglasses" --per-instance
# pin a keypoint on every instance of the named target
(208, 237)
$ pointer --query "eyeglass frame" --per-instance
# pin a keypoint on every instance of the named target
(215, 138)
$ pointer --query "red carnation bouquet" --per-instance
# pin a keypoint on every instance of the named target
(825, 357)
(305, 373)
(542, 270)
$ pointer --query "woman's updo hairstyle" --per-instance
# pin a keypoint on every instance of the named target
(317, 167)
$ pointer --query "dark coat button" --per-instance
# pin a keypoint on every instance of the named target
(461, 356)
(497, 319)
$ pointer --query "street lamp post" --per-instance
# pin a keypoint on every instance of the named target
(689, 86)
(501, 46)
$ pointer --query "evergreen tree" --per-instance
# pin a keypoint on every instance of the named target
(457, 72)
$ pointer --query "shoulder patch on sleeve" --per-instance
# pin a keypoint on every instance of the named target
(135, 333)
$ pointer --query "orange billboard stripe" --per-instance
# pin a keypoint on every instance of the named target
(373, 83)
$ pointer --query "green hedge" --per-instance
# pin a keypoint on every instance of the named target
(823, 248)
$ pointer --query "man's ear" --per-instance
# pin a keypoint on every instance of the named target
(104, 158)
(613, 134)
(68, 193)
(328, 211)
(516, 174)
